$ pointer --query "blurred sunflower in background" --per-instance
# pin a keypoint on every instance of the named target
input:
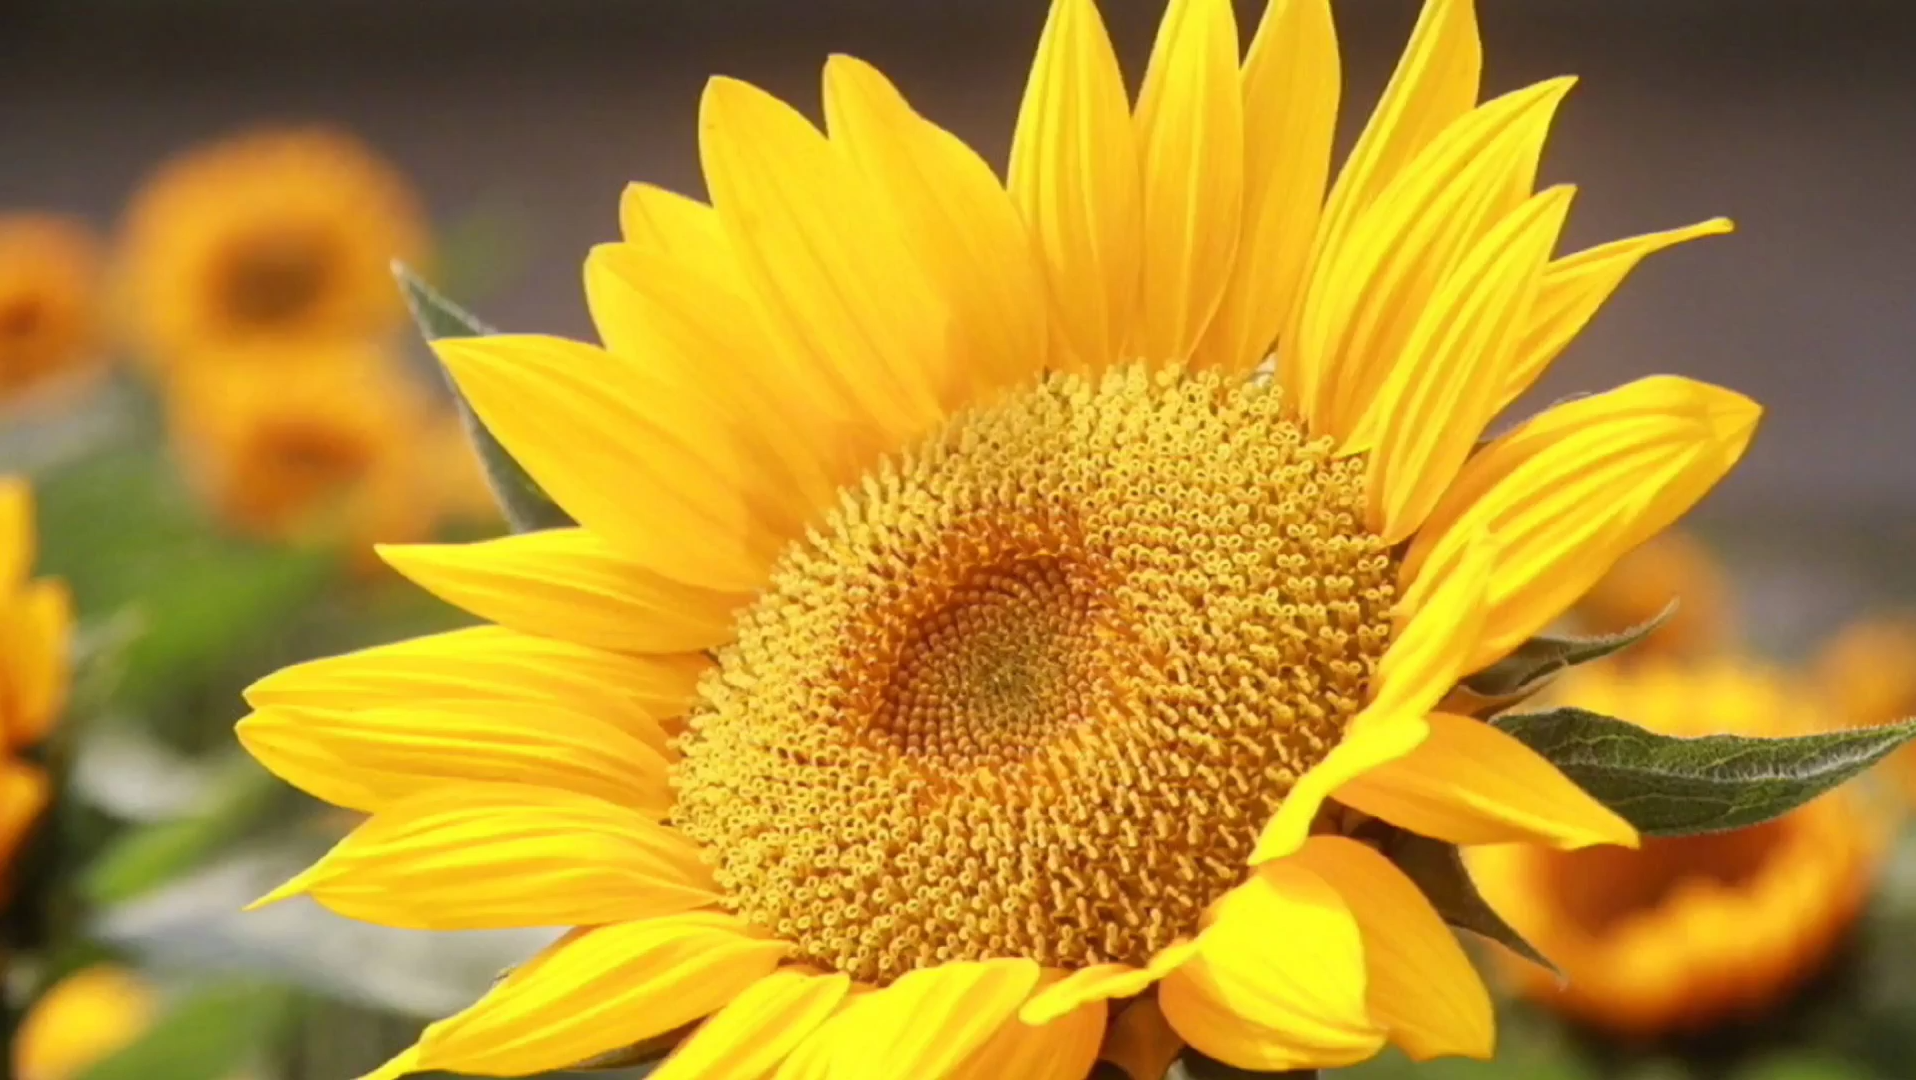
(1687, 933)
(961, 636)
(50, 303)
(83, 1019)
(276, 236)
(1675, 568)
(36, 628)
(1868, 671)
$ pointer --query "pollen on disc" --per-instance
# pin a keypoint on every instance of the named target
(1036, 684)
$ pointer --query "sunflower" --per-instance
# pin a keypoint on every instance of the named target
(1674, 567)
(1688, 932)
(329, 437)
(83, 1019)
(49, 301)
(36, 623)
(1867, 670)
(275, 236)
(963, 629)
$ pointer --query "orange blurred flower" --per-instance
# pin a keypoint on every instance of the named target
(49, 301)
(1673, 566)
(1686, 932)
(1868, 671)
(276, 236)
(84, 1019)
(36, 623)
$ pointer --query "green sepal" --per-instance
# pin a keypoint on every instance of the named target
(526, 505)
(1438, 871)
(1539, 660)
(1192, 1065)
(1667, 785)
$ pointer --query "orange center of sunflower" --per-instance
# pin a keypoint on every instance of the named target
(276, 277)
(1037, 684)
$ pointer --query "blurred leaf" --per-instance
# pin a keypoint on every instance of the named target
(212, 1033)
(1539, 660)
(1671, 786)
(1808, 1065)
(1439, 873)
(146, 858)
(482, 250)
(527, 507)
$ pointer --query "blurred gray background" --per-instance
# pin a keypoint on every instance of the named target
(1795, 117)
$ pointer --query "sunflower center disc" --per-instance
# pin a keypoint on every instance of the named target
(1037, 684)
(277, 277)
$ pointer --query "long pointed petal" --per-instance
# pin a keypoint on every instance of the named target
(748, 1038)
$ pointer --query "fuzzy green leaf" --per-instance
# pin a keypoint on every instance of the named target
(1666, 785)
(1438, 872)
(526, 505)
(1539, 660)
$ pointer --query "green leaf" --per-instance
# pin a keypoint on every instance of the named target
(1439, 873)
(1539, 660)
(149, 857)
(1666, 785)
(214, 1032)
(527, 507)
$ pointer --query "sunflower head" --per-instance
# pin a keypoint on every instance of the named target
(988, 599)
(49, 301)
(275, 236)
(1688, 932)
(36, 626)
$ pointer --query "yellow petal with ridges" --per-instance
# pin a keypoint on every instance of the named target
(1435, 83)
(1421, 666)
(601, 990)
(504, 856)
(756, 1030)
(1569, 492)
(570, 583)
(16, 531)
(1291, 80)
(1457, 357)
(1075, 179)
(1469, 783)
(693, 324)
(1419, 985)
(1279, 981)
(1572, 290)
(1102, 982)
(834, 1046)
(835, 282)
(36, 660)
(671, 223)
(367, 760)
(619, 453)
(1190, 121)
(490, 663)
(962, 224)
(929, 1021)
(1365, 298)
(1064, 1048)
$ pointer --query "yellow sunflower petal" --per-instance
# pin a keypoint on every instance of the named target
(601, 990)
(1064, 1048)
(1279, 981)
(1569, 492)
(962, 224)
(1074, 177)
(1190, 122)
(755, 1031)
(1291, 80)
(1423, 663)
(929, 1021)
(666, 221)
(1419, 984)
(690, 321)
(834, 1046)
(367, 760)
(626, 459)
(499, 856)
(1140, 1041)
(1435, 83)
(1462, 345)
(1469, 783)
(490, 663)
(1365, 298)
(1102, 982)
(836, 283)
(1572, 290)
(571, 584)
(16, 531)
(36, 660)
